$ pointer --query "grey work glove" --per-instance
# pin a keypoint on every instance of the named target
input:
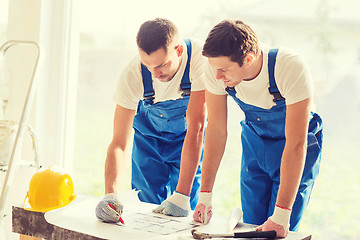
(109, 209)
(177, 205)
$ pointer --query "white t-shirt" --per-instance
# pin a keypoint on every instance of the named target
(292, 77)
(130, 89)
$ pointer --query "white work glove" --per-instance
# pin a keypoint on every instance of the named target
(279, 221)
(203, 210)
(177, 205)
(109, 209)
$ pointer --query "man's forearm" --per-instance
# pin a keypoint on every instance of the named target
(215, 141)
(115, 166)
(190, 158)
(291, 171)
(294, 154)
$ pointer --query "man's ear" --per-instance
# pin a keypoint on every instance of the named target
(179, 49)
(249, 59)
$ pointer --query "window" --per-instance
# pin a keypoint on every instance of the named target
(326, 33)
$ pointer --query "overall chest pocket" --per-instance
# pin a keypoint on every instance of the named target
(168, 120)
(267, 125)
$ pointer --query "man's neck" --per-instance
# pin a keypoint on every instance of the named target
(255, 68)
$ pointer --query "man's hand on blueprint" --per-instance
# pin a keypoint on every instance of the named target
(109, 209)
(279, 221)
(203, 210)
(177, 205)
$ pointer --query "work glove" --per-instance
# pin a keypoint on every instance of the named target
(279, 221)
(177, 205)
(203, 210)
(109, 209)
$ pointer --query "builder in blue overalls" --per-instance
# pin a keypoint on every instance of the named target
(281, 135)
(160, 94)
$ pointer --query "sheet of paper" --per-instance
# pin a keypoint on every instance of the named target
(156, 223)
(140, 221)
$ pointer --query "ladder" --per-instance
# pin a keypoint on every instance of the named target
(23, 123)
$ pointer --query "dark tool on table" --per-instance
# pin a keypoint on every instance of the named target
(253, 234)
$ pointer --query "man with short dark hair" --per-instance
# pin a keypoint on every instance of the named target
(160, 94)
(281, 135)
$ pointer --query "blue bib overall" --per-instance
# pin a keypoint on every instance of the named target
(263, 141)
(160, 131)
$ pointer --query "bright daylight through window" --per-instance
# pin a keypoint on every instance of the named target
(325, 32)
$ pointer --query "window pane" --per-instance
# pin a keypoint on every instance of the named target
(4, 12)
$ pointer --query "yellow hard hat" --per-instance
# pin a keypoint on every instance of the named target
(50, 188)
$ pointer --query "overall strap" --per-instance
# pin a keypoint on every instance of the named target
(185, 80)
(149, 93)
(271, 69)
